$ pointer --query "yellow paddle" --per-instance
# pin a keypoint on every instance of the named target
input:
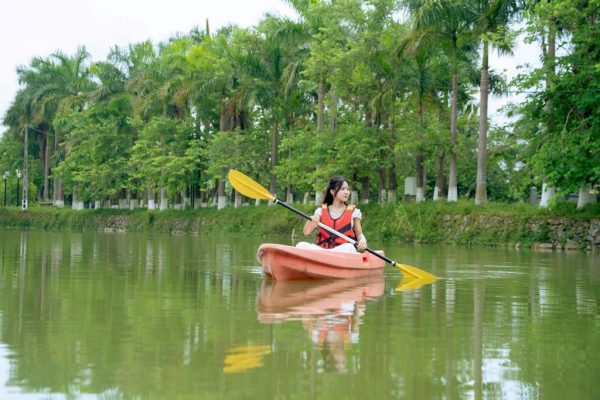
(250, 188)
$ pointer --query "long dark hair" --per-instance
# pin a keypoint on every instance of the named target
(335, 184)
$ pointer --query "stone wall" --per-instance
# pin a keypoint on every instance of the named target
(550, 233)
(569, 234)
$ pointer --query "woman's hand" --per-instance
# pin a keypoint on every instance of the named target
(310, 225)
(362, 243)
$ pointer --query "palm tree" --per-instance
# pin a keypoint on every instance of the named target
(152, 84)
(139, 63)
(493, 17)
(543, 17)
(49, 85)
(423, 76)
(450, 22)
(270, 65)
(549, 60)
(375, 28)
(221, 73)
(314, 17)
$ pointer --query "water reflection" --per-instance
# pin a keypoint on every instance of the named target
(158, 316)
(87, 312)
(409, 283)
(330, 311)
(243, 358)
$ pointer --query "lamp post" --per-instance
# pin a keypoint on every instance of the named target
(5, 178)
(18, 173)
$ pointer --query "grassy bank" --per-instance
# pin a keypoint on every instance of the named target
(491, 224)
(460, 223)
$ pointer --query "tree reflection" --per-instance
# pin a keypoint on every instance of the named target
(141, 314)
(156, 316)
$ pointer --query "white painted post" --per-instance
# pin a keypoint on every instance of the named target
(410, 186)
(548, 194)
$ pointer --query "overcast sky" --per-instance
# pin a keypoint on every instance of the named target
(30, 28)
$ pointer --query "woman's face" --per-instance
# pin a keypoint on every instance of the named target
(343, 193)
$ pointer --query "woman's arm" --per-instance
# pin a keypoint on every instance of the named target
(362, 240)
(310, 226)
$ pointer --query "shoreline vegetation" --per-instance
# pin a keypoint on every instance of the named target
(562, 227)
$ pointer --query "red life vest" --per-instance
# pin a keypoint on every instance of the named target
(343, 224)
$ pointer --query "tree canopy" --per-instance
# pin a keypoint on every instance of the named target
(375, 90)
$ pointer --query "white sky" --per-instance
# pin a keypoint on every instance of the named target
(30, 28)
(523, 55)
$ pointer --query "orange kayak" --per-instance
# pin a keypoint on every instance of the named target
(284, 263)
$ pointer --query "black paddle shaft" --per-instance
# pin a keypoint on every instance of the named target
(300, 213)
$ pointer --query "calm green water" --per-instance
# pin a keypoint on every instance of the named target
(141, 316)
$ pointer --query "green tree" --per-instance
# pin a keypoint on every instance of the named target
(450, 23)
(163, 157)
(97, 152)
(560, 121)
(424, 67)
(492, 20)
(48, 85)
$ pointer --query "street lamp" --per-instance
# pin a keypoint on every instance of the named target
(4, 178)
(18, 173)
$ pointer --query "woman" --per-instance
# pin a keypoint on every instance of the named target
(337, 214)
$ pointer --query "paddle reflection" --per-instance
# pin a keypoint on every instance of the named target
(243, 358)
(330, 311)
(409, 283)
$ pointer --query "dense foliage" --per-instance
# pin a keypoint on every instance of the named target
(375, 90)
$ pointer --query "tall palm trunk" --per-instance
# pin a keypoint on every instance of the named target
(585, 197)
(550, 126)
(164, 204)
(382, 185)
(453, 176)
(333, 111)
(481, 189)
(419, 159)
(320, 127)
(223, 114)
(440, 181)
(150, 199)
(393, 186)
(45, 151)
(392, 179)
(289, 193)
(58, 195)
(76, 204)
(223, 127)
(274, 157)
(550, 67)
(321, 106)
(364, 194)
(25, 198)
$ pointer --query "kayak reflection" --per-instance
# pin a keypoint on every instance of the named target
(330, 311)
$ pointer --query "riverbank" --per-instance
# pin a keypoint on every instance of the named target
(495, 224)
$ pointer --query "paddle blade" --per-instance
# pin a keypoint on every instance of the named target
(415, 272)
(248, 187)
